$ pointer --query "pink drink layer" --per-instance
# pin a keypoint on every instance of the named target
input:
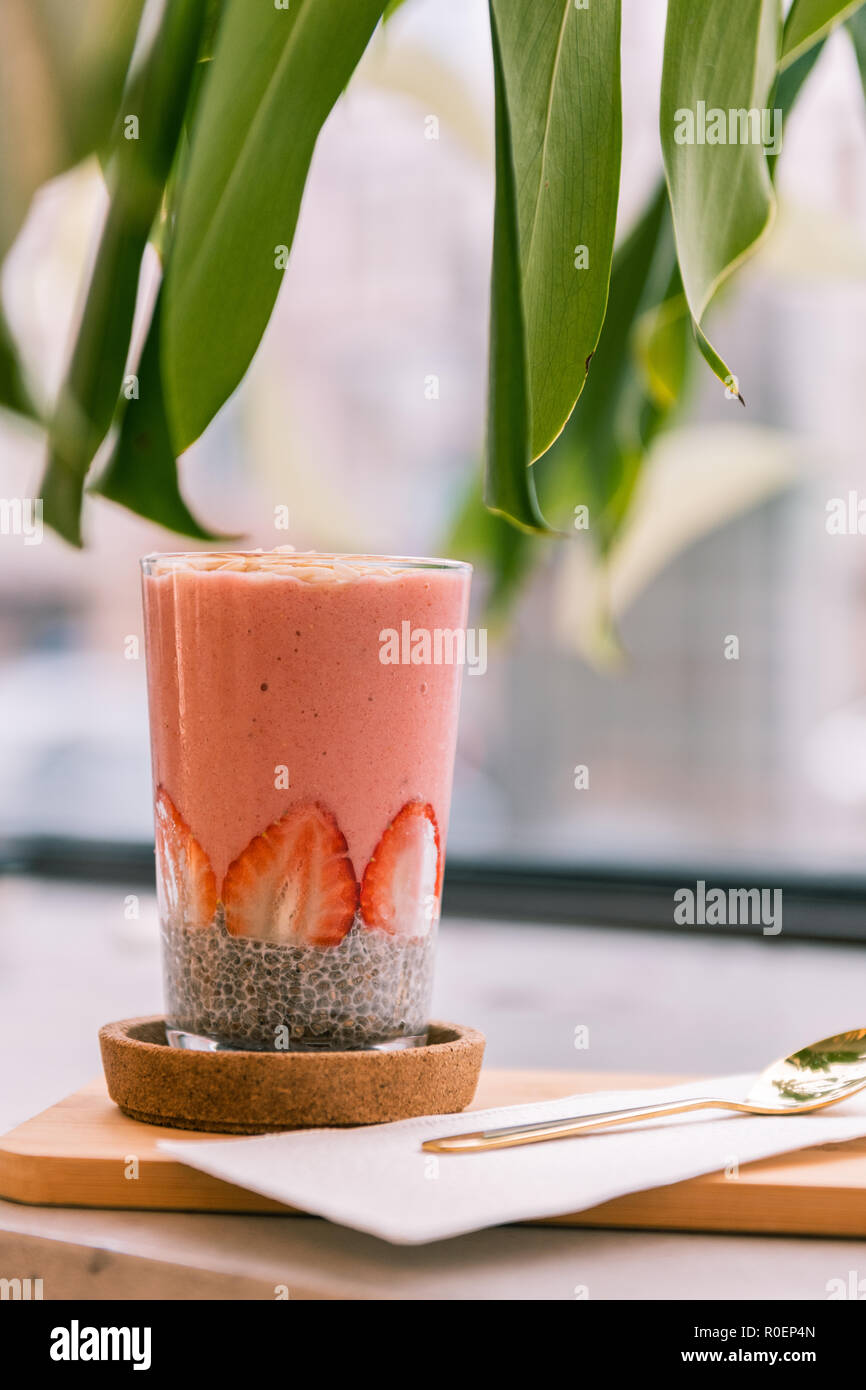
(275, 663)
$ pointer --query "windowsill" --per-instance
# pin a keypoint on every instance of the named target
(654, 1001)
(658, 1001)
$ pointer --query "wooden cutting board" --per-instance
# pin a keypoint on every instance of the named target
(84, 1152)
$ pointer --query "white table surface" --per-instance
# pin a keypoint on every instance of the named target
(70, 959)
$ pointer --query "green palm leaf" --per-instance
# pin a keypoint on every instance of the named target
(155, 97)
(274, 77)
(721, 193)
(142, 474)
(558, 135)
(809, 21)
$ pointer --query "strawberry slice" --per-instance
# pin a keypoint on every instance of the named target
(403, 880)
(294, 883)
(185, 880)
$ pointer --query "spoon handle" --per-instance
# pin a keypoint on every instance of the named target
(512, 1135)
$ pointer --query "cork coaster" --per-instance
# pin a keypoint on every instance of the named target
(260, 1092)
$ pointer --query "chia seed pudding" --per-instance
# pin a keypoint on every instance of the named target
(371, 990)
(302, 769)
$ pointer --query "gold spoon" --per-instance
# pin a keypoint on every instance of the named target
(816, 1076)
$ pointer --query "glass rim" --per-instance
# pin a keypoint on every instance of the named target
(305, 558)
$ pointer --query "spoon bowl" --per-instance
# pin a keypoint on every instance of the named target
(821, 1074)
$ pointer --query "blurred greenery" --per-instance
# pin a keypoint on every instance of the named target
(62, 71)
(230, 103)
(857, 30)
(14, 392)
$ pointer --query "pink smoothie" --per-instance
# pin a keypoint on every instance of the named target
(276, 663)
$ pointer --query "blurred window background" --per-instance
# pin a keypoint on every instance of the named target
(363, 415)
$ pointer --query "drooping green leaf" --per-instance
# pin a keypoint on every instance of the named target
(509, 486)
(90, 44)
(716, 82)
(559, 81)
(857, 30)
(596, 460)
(89, 393)
(274, 77)
(638, 378)
(142, 474)
(155, 99)
(810, 21)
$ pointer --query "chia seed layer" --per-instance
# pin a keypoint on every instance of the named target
(371, 989)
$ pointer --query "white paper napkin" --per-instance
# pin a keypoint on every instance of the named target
(377, 1179)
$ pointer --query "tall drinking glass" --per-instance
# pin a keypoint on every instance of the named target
(303, 713)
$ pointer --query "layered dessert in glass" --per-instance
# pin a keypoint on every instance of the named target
(302, 764)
